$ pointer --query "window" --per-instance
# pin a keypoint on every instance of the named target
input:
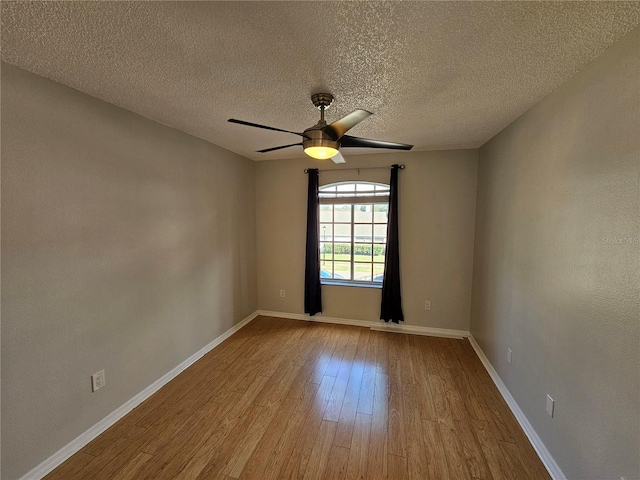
(353, 232)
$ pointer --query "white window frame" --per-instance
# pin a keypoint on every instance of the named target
(379, 195)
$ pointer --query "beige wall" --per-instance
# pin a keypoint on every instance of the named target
(437, 209)
(553, 189)
(126, 246)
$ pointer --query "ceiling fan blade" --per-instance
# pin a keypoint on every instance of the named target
(348, 141)
(338, 158)
(277, 148)
(338, 128)
(257, 125)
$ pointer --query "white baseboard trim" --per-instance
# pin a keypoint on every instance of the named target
(417, 330)
(378, 326)
(316, 318)
(79, 442)
(545, 456)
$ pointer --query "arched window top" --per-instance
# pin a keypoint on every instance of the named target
(354, 190)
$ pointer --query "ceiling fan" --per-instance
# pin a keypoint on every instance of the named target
(324, 141)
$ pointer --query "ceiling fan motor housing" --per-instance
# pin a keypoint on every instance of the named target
(318, 138)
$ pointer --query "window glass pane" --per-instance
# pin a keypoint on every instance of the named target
(380, 213)
(362, 233)
(353, 236)
(342, 213)
(363, 213)
(378, 272)
(326, 232)
(326, 270)
(362, 272)
(380, 233)
(342, 251)
(362, 253)
(326, 252)
(326, 213)
(342, 270)
(342, 232)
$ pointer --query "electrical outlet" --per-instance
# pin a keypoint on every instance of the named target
(97, 381)
(282, 293)
(427, 304)
(509, 354)
(550, 405)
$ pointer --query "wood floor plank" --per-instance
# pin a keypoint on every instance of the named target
(359, 450)
(285, 450)
(382, 353)
(343, 332)
(319, 458)
(478, 468)
(310, 341)
(434, 451)
(396, 432)
(297, 462)
(172, 455)
(440, 402)
(235, 408)
(456, 461)
(117, 455)
(521, 462)
(498, 465)
(275, 389)
(193, 468)
(322, 362)
(407, 370)
(336, 401)
(417, 467)
(269, 468)
(425, 398)
(378, 443)
(98, 445)
(365, 397)
(347, 417)
(271, 438)
(429, 346)
(72, 467)
(337, 467)
(232, 450)
(284, 399)
(397, 467)
(131, 469)
(241, 450)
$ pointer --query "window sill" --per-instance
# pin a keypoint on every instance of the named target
(351, 284)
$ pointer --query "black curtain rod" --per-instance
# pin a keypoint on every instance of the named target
(306, 170)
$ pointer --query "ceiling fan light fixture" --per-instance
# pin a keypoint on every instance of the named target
(321, 152)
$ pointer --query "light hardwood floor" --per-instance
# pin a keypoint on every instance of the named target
(284, 399)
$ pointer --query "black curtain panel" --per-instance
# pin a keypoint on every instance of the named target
(391, 308)
(312, 294)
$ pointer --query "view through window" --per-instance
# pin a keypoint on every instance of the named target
(353, 232)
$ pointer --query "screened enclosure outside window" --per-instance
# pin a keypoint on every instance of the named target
(353, 232)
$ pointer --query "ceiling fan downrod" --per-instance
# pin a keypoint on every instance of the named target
(322, 101)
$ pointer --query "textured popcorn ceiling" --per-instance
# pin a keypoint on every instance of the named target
(438, 75)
